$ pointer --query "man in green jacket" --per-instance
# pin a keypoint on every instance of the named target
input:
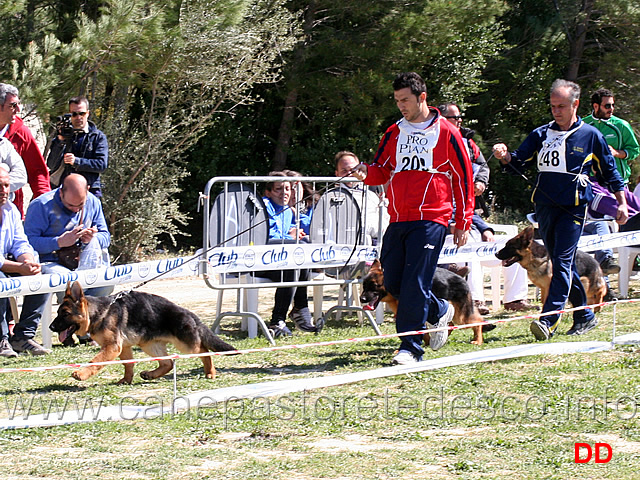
(624, 148)
(617, 132)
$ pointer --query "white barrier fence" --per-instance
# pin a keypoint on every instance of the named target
(264, 257)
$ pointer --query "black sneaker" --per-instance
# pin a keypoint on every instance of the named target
(303, 320)
(609, 266)
(280, 329)
(28, 345)
(540, 330)
(582, 328)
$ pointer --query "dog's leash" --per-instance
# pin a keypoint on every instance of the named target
(532, 184)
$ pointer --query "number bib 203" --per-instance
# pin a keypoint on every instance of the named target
(414, 150)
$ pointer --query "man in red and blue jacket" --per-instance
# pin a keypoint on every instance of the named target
(426, 162)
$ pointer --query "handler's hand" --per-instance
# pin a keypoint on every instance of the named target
(460, 237)
(501, 152)
(360, 171)
(622, 215)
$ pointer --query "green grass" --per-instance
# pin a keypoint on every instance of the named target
(516, 419)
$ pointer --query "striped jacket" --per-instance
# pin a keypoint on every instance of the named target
(429, 170)
(564, 160)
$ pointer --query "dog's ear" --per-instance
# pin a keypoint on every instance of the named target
(527, 235)
(376, 264)
(75, 291)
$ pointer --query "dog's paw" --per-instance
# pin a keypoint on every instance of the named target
(81, 374)
(146, 376)
(124, 381)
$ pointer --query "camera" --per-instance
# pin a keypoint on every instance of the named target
(64, 126)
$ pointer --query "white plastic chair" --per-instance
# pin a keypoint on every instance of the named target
(626, 257)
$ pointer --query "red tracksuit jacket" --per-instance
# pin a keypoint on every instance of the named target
(429, 169)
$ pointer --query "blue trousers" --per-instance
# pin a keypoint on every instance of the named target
(560, 228)
(4, 322)
(409, 257)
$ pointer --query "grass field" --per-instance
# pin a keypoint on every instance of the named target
(516, 419)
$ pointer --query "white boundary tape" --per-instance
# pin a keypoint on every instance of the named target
(281, 387)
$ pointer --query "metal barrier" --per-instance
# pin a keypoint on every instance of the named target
(237, 250)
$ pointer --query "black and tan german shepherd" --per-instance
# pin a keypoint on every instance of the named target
(135, 318)
(534, 258)
(446, 284)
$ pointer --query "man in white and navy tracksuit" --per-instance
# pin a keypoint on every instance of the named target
(428, 166)
(564, 152)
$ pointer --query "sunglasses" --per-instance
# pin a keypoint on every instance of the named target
(14, 105)
(609, 105)
(457, 117)
(81, 114)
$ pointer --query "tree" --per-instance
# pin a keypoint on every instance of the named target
(595, 42)
(161, 72)
(335, 92)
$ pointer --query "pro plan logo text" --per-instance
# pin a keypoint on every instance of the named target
(600, 452)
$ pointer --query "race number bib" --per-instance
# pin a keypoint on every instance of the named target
(414, 150)
(552, 157)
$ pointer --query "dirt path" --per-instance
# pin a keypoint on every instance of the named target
(194, 294)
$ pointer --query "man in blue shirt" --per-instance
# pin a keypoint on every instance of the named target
(564, 152)
(63, 217)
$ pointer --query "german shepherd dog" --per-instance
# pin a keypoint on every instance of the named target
(446, 284)
(136, 318)
(534, 258)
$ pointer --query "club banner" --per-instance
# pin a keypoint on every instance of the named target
(486, 251)
(266, 257)
(220, 260)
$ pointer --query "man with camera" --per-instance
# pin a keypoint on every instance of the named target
(78, 147)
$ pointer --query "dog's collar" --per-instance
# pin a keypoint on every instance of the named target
(118, 296)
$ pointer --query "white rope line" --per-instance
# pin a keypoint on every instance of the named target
(174, 357)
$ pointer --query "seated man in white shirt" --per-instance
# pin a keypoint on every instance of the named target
(368, 201)
(14, 244)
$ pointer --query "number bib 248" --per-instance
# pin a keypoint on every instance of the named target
(552, 157)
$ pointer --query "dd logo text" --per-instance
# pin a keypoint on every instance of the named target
(583, 453)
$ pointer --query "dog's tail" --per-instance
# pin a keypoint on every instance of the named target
(211, 341)
(469, 310)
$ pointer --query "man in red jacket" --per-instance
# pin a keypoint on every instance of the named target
(428, 166)
(12, 127)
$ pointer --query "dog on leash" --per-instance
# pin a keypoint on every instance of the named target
(119, 323)
(534, 258)
(446, 284)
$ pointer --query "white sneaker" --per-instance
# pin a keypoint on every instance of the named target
(439, 338)
(404, 357)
